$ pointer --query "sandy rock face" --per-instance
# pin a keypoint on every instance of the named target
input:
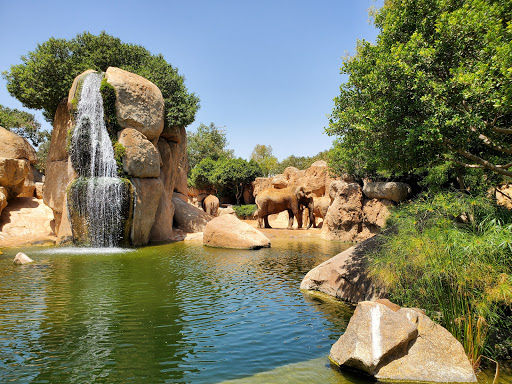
(387, 190)
(345, 276)
(13, 173)
(227, 231)
(139, 102)
(147, 197)
(16, 147)
(401, 345)
(141, 158)
(188, 217)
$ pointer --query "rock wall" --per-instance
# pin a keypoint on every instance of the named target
(154, 160)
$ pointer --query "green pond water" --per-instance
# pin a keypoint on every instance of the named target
(175, 313)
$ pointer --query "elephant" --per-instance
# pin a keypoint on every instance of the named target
(321, 205)
(291, 199)
(211, 205)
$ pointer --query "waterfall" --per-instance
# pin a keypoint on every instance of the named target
(98, 195)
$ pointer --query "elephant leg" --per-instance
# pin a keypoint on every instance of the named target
(290, 219)
(265, 219)
(260, 221)
(299, 218)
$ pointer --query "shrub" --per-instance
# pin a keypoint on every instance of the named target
(245, 211)
(451, 254)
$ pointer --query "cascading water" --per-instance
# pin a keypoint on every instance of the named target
(98, 193)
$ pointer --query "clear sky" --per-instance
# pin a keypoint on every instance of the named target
(267, 70)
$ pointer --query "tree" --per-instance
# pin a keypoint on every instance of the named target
(435, 88)
(207, 142)
(46, 74)
(262, 154)
(230, 176)
(301, 162)
(23, 124)
(201, 174)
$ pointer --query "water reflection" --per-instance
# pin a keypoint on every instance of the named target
(172, 313)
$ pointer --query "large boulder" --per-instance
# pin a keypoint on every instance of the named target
(141, 158)
(188, 217)
(14, 146)
(3, 198)
(12, 174)
(401, 344)
(62, 123)
(227, 231)
(387, 190)
(139, 102)
(162, 226)
(147, 199)
(345, 276)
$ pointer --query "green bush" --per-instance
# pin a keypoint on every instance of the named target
(451, 254)
(245, 211)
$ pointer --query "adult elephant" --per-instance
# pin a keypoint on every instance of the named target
(321, 206)
(211, 205)
(291, 199)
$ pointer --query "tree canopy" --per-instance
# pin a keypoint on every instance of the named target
(23, 124)
(435, 88)
(208, 141)
(46, 74)
(262, 154)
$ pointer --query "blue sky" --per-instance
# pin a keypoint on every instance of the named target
(267, 71)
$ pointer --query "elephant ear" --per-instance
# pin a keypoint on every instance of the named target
(300, 192)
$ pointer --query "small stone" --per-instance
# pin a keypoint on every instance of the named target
(21, 259)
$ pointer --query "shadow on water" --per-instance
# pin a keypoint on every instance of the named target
(176, 313)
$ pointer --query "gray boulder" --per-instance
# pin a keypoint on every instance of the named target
(21, 259)
(387, 190)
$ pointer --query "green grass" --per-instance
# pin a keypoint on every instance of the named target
(451, 254)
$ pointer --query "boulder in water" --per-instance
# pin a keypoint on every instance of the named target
(400, 345)
(21, 259)
(227, 231)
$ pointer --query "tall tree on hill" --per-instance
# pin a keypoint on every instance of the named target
(207, 142)
(435, 88)
(46, 74)
(262, 154)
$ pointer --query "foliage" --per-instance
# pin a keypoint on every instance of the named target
(245, 211)
(451, 254)
(435, 88)
(201, 174)
(208, 141)
(108, 94)
(262, 154)
(46, 74)
(226, 175)
(23, 124)
(119, 153)
(230, 176)
(42, 156)
(301, 162)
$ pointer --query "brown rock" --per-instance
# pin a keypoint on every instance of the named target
(345, 276)
(226, 211)
(168, 170)
(13, 146)
(21, 259)
(188, 217)
(162, 227)
(373, 334)
(147, 198)
(260, 184)
(29, 186)
(401, 345)
(3, 198)
(172, 133)
(56, 182)
(279, 182)
(62, 123)
(227, 231)
(182, 169)
(141, 158)
(12, 175)
(394, 307)
(248, 195)
(63, 224)
(139, 102)
(386, 190)
(377, 211)
(39, 190)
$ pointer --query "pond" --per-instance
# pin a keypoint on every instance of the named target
(175, 313)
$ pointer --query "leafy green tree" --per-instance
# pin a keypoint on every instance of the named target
(435, 88)
(230, 176)
(46, 74)
(201, 174)
(23, 124)
(207, 142)
(262, 154)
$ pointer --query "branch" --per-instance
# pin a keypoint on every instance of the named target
(507, 131)
(501, 169)
(487, 141)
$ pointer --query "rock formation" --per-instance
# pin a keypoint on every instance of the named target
(345, 276)
(400, 344)
(152, 157)
(227, 231)
(21, 259)
(350, 217)
(393, 191)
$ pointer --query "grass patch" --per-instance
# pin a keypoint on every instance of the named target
(451, 254)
